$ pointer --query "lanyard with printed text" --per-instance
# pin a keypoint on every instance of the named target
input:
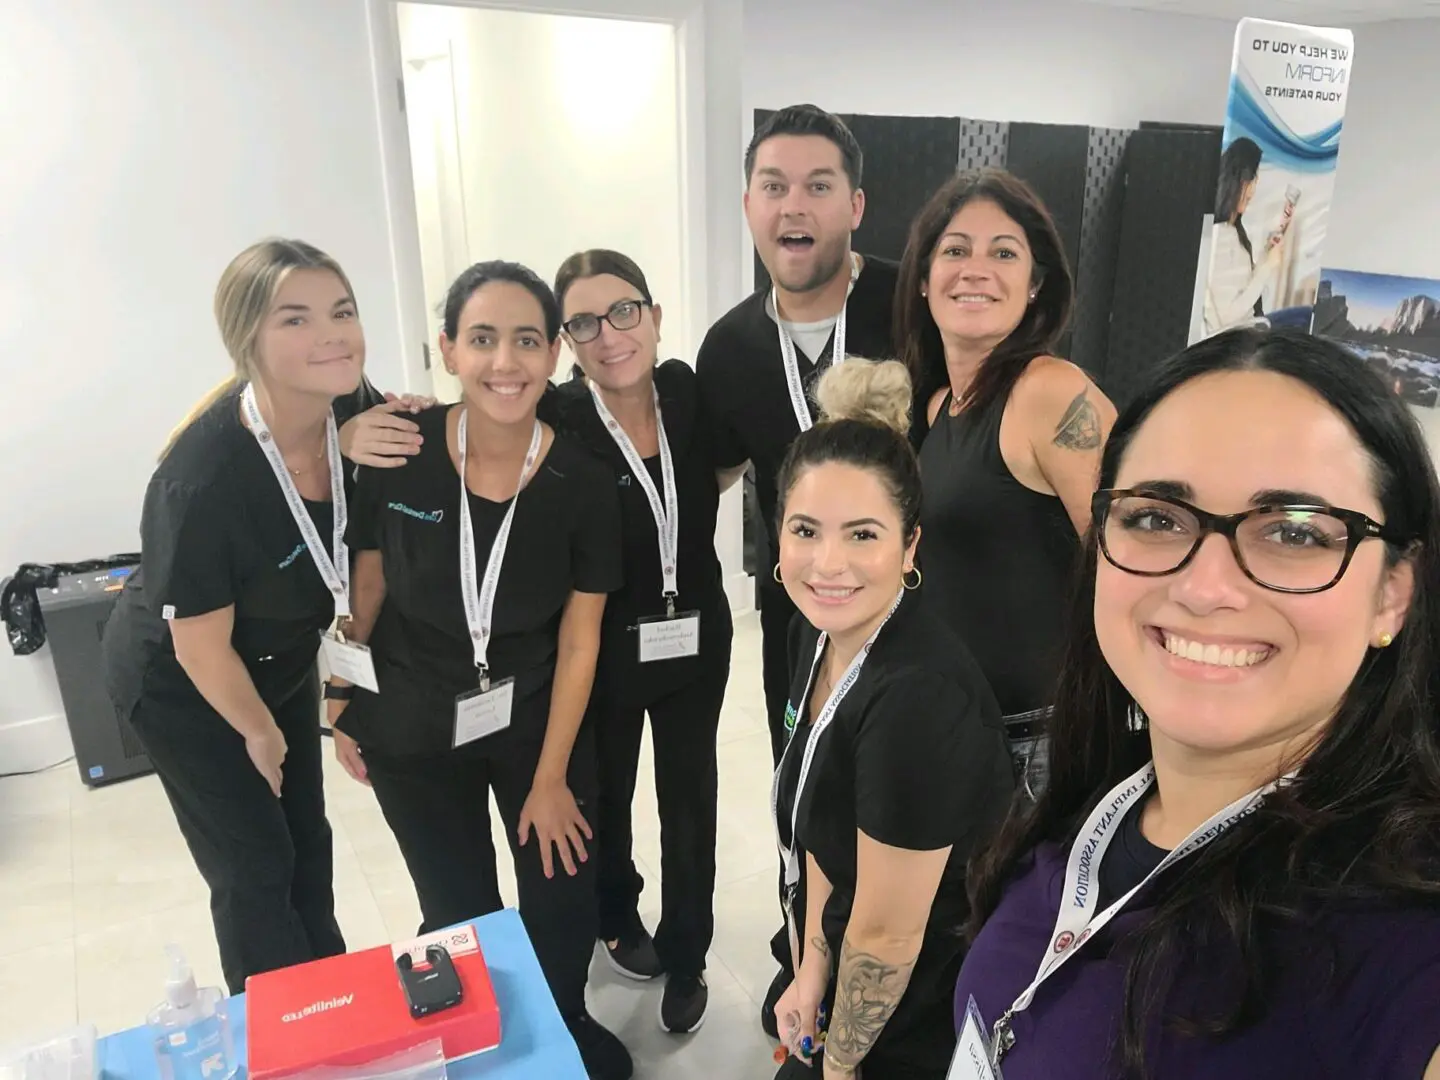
(792, 363)
(666, 512)
(480, 603)
(334, 565)
(1077, 920)
(791, 854)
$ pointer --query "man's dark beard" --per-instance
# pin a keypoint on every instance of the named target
(828, 263)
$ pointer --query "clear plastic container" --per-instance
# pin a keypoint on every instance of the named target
(69, 1055)
(191, 1027)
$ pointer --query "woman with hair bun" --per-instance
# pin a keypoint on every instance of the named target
(897, 764)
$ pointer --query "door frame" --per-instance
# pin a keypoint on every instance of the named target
(714, 243)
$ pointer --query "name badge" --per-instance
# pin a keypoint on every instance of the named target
(665, 638)
(483, 712)
(351, 661)
(973, 1060)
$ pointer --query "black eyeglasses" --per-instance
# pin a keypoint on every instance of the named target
(1287, 548)
(623, 315)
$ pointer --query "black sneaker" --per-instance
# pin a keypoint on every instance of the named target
(604, 1055)
(682, 1008)
(634, 956)
(778, 986)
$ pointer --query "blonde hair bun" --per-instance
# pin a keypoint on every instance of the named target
(876, 392)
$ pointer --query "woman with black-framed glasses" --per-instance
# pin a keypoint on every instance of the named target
(665, 643)
(1235, 868)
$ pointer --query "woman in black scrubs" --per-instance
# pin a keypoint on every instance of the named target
(210, 651)
(483, 617)
(897, 766)
(665, 648)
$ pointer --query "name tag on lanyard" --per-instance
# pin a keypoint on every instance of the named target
(485, 710)
(672, 635)
(665, 638)
(973, 1058)
(349, 660)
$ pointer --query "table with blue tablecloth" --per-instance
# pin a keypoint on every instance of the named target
(534, 1042)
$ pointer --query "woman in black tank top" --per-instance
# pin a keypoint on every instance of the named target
(1009, 435)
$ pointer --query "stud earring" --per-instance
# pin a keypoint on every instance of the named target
(1386, 640)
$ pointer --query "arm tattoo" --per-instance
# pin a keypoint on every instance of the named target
(821, 945)
(866, 993)
(1079, 428)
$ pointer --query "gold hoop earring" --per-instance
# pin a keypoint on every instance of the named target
(776, 574)
(919, 577)
(1386, 640)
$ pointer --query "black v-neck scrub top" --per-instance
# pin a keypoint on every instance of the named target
(565, 537)
(916, 758)
(216, 531)
(742, 377)
(571, 408)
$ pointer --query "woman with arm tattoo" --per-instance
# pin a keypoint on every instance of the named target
(897, 764)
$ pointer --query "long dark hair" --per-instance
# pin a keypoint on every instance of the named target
(1239, 165)
(1362, 821)
(481, 274)
(917, 338)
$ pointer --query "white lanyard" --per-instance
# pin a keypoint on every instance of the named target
(334, 569)
(480, 603)
(827, 713)
(1077, 920)
(798, 400)
(667, 513)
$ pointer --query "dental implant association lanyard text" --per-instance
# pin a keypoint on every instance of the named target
(1077, 920)
(486, 710)
(798, 400)
(346, 659)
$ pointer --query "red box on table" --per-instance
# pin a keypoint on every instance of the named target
(351, 1009)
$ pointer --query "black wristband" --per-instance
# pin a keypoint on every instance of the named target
(338, 693)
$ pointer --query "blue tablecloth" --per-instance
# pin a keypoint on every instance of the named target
(534, 1042)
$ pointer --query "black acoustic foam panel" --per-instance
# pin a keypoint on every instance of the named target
(1103, 206)
(1052, 159)
(1170, 186)
(906, 159)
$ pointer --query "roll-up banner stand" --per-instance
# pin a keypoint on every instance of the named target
(1260, 259)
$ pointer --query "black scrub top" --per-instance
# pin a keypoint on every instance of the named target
(565, 537)
(742, 378)
(216, 531)
(571, 408)
(916, 758)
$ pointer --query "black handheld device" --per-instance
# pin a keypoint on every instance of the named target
(432, 988)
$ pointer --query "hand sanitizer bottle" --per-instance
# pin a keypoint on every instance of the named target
(191, 1028)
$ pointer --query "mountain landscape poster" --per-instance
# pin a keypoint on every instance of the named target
(1392, 323)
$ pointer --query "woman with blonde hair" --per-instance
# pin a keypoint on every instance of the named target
(897, 766)
(211, 649)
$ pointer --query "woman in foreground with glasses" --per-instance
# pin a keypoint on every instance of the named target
(1233, 872)
(665, 642)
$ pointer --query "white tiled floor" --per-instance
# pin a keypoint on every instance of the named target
(93, 883)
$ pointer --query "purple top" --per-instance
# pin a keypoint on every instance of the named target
(1377, 1017)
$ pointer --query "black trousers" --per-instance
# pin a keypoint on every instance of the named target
(872, 1068)
(776, 611)
(438, 806)
(683, 727)
(268, 861)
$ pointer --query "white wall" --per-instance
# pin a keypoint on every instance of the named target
(569, 139)
(145, 144)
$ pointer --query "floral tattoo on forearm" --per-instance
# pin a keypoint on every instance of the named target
(867, 991)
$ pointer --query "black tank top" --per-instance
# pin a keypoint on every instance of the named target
(998, 558)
